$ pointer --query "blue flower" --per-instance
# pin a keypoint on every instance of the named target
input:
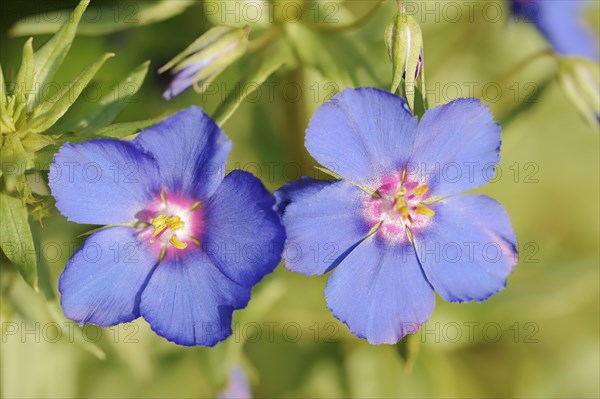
(563, 24)
(185, 244)
(396, 227)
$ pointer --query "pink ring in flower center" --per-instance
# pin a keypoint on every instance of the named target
(172, 223)
(399, 207)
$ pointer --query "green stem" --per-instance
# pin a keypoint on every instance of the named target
(356, 23)
(524, 63)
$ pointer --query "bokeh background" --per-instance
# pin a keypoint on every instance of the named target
(537, 338)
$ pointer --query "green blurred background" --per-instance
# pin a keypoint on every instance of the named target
(537, 338)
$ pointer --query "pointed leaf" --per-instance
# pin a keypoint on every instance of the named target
(50, 56)
(107, 108)
(24, 81)
(17, 241)
(48, 113)
(120, 130)
(6, 123)
(102, 20)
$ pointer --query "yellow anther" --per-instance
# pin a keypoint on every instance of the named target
(422, 189)
(399, 203)
(419, 191)
(423, 210)
(404, 211)
(400, 193)
(175, 223)
(196, 206)
(160, 224)
(159, 221)
(174, 241)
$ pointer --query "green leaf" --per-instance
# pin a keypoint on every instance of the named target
(24, 81)
(45, 156)
(273, 58)
(120, 130)
(6, 123)
(46, 114)
(50, 56)
(17, 241)
(105, 19)
(108, 108)
(405, 45)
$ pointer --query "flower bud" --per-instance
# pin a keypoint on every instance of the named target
(206, 58)
(580, 79)
(405, 48)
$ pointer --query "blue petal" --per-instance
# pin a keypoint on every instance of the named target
(457, 147)
(323, 227)
(190, 302)
(362, 133)
(244, 236)
(563, 23)
(380, 292)
(191, 151)
(103, 280)
(102, 181)
(296, 189)
(183, 80)
(470, 248)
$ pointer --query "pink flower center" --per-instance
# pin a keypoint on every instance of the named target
(172, 223)
(400, 208)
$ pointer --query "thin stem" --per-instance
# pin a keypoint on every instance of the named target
(524, 63)
(356, 23)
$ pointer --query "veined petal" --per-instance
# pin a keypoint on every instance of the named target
(191, 151)
(323, 227)
(456, 148)
(293, 190)
(380, 292)
(190, 302)
(102, 282)
(102, 181)
(362, 133)
(470, 248)
(244, 236)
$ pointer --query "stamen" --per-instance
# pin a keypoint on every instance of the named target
(419, 191)
(405, 212)
(196, 206)
(400, 193)
(174, 241)
(162, 223)
(399, 203)
(423, 210)
(175, 223)
(163, 196)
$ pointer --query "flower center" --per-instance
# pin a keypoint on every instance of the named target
(399, 208)
(172, 223)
